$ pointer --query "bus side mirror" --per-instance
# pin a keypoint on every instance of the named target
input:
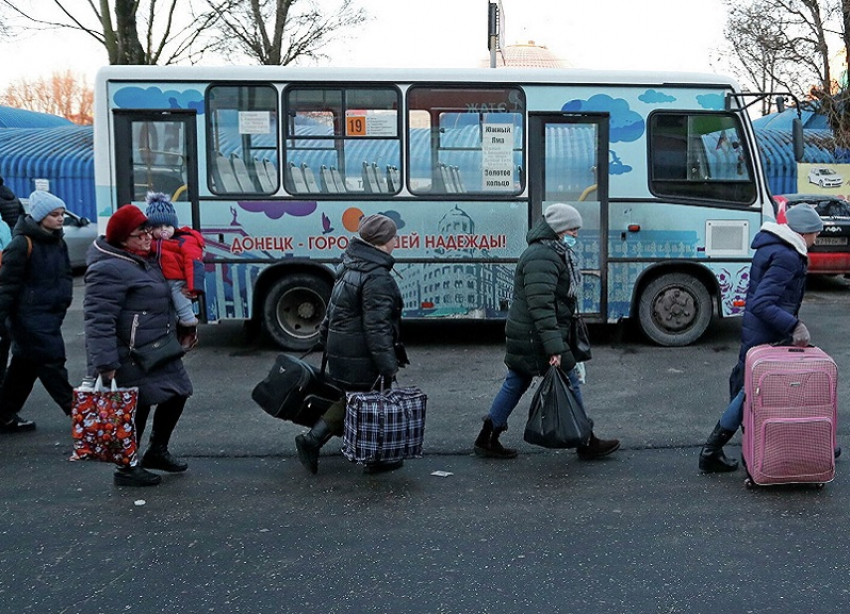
(797, 138)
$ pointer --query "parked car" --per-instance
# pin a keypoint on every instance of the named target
(830, 255)
(79, 235)
(825, 177)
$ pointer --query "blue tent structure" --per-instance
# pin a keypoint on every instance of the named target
(777, 154)
(10, 117)
(63, 155)
(782, 121)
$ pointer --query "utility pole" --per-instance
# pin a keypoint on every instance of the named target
(495, 29)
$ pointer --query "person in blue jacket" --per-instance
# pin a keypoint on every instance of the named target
(777, 285)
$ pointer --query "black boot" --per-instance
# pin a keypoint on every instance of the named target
(158, 457)
(16, 424)
(164, 421)
(597, 448)
(309, 444)
(487, 443)
(711, 458)
(135, 476)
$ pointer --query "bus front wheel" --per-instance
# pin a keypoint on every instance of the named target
(675, 309)
(293, 311)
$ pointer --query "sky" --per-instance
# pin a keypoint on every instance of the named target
(677, 35)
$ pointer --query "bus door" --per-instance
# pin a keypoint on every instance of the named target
(157, 151)
(568, 163)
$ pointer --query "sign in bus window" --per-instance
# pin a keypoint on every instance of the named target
(497, 147)
(370, 123)
(254, 122)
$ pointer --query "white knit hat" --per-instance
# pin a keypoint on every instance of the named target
(42, 203)
(561, 217)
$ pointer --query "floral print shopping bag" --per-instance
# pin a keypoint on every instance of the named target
(103, 423)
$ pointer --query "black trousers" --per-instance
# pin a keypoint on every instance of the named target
(165, 418)
(19, 381)
(5, 345)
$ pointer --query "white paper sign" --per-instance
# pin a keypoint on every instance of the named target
(497, 145)
(383, 124)
(254, 122)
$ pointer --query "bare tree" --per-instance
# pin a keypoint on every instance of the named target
(281, 32)
(131, 31)
(754, 52)
(790, 44)
(63, 93)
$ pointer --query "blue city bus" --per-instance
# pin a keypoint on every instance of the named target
(276, 166)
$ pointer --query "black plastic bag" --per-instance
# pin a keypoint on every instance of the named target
(555, 418)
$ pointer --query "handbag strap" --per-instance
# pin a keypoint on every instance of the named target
(324, 357)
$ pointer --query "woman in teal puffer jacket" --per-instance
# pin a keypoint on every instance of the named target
(546, 281)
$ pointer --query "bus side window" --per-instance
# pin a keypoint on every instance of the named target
(465, 139)
(343, 135)
(241, 129)
(699, 155)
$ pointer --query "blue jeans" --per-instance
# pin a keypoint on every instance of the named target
(734, 415)
(513, 388)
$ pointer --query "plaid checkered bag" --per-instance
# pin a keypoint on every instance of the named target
(103, 423)
(383, 426)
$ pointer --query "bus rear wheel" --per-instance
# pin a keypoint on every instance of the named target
(293, 311)
(675, 309)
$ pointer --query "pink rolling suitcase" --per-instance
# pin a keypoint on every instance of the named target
(790, 413)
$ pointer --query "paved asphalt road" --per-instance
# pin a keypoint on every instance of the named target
(247, 530)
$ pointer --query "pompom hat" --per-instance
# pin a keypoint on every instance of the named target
(123, 223)
(42, 203)
(160, 211)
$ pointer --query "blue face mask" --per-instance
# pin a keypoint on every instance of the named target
(569, 240)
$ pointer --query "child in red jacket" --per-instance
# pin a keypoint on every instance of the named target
(180, 252)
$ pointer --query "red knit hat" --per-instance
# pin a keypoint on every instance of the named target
(123, 222)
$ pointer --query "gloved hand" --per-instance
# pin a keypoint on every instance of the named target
(800, 335)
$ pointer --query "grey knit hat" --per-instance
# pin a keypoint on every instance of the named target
(42, 203)
(803, 218)
(377, 229)
(561, 217)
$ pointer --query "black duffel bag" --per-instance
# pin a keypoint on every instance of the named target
(295, 390)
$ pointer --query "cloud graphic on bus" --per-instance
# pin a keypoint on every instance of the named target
(615, 165)
(655, 97)
(276, 209)
(712, 101)
(395, 216)
(156, 98)
(625, 126)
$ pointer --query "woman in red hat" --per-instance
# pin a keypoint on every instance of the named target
(128, 304)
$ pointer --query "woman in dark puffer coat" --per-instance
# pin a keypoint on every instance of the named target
(774, 296)
(546, 282)
(360, 330)
(129, 302)
(36, 288)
